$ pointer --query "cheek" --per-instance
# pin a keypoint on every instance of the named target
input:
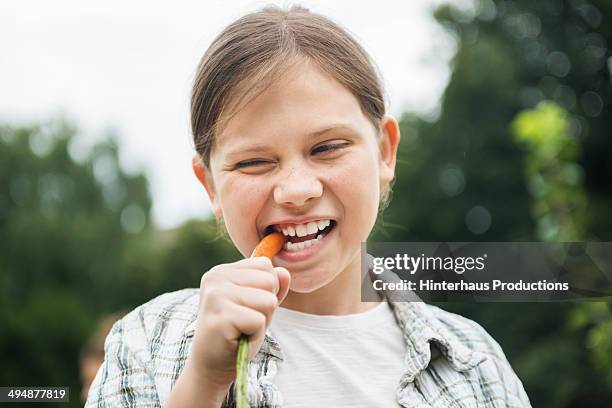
(357, 186)
(240, 214)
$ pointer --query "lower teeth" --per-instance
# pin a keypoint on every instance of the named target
(290, 246)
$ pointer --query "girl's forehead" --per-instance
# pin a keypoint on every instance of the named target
(303, 101)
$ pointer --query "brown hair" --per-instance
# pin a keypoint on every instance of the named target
(255, 50)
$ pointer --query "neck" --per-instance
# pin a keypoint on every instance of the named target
(341, 296)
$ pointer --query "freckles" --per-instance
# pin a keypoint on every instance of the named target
(250, 207)
(355, 183)
(236, 189)
(358, 174)
(360, 182)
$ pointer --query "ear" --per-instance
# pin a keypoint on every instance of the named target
(387, 145)
(205, 177)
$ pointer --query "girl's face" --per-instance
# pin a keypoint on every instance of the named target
(302, 157)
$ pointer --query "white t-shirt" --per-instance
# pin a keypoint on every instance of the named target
(339, 361)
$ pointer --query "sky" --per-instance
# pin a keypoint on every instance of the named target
(127, 67)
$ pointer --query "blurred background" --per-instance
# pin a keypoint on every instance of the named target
(505, 110)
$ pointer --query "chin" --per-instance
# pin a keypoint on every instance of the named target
(304, 284)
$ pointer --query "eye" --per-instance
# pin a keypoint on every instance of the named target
(328, 148)
(250, 163)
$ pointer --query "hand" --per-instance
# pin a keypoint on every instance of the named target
(236, 298)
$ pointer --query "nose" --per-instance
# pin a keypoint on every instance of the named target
(297, 186)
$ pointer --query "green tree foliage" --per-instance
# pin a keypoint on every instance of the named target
(555, 182)
(77, 243)
(462, 177)
(553, 177)
(597, 319)
(61, 243)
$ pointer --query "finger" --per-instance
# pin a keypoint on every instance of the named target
(248, 322)
(259, 262)
(284, 282)
(256, 278)
(253, 298)
(275, 280)
(219, 273)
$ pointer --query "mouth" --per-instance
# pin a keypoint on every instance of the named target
(300, 236)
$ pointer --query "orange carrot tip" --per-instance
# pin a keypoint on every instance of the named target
(270, 245)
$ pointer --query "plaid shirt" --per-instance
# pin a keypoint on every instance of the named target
(451, 361)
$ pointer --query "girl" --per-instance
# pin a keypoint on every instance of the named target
(291, 134)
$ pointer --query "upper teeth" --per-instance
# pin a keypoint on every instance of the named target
(302, 230)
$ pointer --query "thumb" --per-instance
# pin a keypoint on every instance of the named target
(284, 281)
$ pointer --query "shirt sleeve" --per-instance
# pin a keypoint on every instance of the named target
(123, 379)
(515, 395)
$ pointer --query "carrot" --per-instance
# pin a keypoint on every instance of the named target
(268, 247)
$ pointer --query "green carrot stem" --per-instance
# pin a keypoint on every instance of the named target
(269, 246)
(242, 363)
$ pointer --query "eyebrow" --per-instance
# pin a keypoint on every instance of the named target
(260, 147)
